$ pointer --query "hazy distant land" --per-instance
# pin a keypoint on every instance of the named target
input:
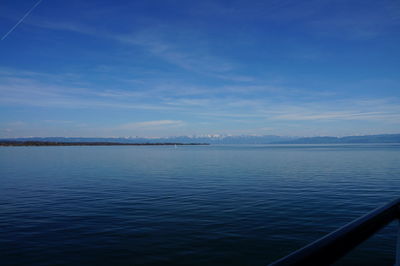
(210, 139)
(384, 138)
(198, 140)
(52, 143)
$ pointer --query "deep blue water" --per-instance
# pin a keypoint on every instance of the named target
(193, 205)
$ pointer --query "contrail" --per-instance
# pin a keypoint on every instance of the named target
(22, 19)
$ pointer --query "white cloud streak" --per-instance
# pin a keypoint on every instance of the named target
(21, 20)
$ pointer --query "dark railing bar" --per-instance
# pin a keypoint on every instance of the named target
(333, 246)
(398, 245)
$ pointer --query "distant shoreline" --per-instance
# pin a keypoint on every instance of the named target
(53, 143)
(211, 139)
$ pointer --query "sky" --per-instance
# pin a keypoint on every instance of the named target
(170, 68)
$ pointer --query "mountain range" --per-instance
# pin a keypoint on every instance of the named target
(226, 139)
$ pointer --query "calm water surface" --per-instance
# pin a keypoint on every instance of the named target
(193, 205)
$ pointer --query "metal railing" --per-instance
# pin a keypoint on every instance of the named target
(335, 245)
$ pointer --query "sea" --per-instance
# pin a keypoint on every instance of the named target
(190, 205)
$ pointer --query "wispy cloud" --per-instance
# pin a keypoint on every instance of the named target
(183, 55)
(31, 92)
(268, 103)
(156, 41)
(329, 116)
(151, 124)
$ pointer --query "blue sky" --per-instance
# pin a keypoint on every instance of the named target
(167, 68)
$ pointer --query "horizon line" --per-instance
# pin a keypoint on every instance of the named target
(200, 136)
